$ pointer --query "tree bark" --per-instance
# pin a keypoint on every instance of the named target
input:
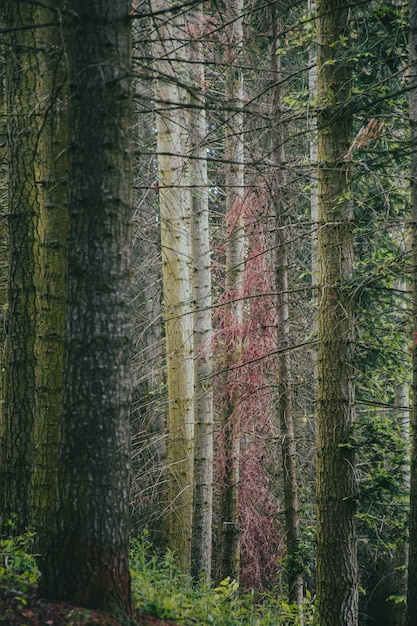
(285, 386)
(175, 216)
(337, 570)
(87, 560)
(3, 256)
(229, 562)
(203, 453)
(50, 264)
(22, 107)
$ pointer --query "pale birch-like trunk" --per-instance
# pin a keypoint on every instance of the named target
(285, 387)
(177, 268)
(203, 454)
(337, 568)
(411, 611)
(229, 559)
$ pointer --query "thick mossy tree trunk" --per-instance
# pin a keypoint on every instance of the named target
(87, 559)
(22, 109)
(50, 263)
(337, 570)
(229, 540)
(201, 548)
(177, 268)
(411, 611)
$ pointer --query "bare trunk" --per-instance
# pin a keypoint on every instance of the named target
(87, 559)
(203, 454)
(337, 569)
(175, 215)
(19, 397)
(235, 254)
(3, 258)
(285, 389)
(50, 269)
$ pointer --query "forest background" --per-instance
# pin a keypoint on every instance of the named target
(272, 260)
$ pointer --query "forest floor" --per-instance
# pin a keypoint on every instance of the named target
(18, 608)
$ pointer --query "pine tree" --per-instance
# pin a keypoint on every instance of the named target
(337, 570)
(87, 557)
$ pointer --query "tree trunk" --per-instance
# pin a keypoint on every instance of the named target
(87, 560)
(203, 454)
(229, 561)
(22, 107)
(3, 255)
(285, 388)
(175, 216)
(337, 570)
(50, 269)
(411, 611)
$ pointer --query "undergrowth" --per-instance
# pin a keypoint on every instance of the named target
(17, 562)
(161, 590)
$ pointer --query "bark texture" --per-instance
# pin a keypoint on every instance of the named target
(87, 560)
(203, 452)
(50, 263)
(3, 254)
(175, 215)
(22, 106)
(337, 570)
(285, 385)
(229, 562)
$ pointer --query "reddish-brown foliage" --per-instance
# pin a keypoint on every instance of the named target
(252, 381)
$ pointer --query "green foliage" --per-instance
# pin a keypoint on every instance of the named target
(77, 615)
(383, 501)
(16, 561)
(161, 590)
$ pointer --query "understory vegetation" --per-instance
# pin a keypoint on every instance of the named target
(161, 590)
